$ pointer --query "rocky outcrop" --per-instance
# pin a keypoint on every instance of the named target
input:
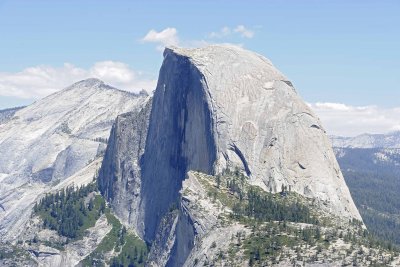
(165, 239)
(216, 108)
(72, 253)
(119, 177)
(180, 138)
(181, 229)
(260, 124)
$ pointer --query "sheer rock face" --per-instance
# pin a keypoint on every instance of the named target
(224, 107)
(260, 124)
(180, 138)
(119, 176)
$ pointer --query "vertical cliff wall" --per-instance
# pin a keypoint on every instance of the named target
(214, 108)
(120, 174)
(180, 138)
(261, 125)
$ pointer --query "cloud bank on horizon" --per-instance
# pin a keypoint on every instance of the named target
(39, 81)
(346, 120)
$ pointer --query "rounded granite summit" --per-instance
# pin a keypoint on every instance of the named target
(257, 122)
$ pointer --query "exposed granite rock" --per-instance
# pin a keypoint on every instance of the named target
(52, 140)
(71, 254)
(119, 176)
(180, 138)
(215, 108)
(7, 114)
(262, 125)
(163, 244)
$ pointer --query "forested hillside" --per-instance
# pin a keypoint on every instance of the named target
(373, 177)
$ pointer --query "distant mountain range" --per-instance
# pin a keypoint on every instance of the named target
(370, 164)
(389, 140)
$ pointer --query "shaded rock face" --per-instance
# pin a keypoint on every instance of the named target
(215, 108)
(185, 238)
(119, 176)
(164, 241)
(180, 138)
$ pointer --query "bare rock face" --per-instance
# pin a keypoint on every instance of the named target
(215, 108)
(260, 124)
(180, 138)
(119, 177)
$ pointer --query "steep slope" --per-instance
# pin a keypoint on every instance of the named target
(217, 108)
(260, 124)
(53, 139)
(372, 175)
(237, 231)
(121, 164)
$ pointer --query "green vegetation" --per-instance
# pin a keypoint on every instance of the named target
(71, 211)
(131, 250)
(16, 254)
(133, 253)
(286, 226)
(374, 188)
(251, 202)
(271, 242)
(265, 207)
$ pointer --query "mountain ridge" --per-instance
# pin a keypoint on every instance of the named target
(52, 139)
(387, 140)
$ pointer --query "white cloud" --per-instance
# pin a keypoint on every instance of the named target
(169, 36)
(166, 37)
(39, 81)
(226, 31)
(346, 120)
(244, 32)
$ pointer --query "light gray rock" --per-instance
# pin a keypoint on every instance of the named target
(73, 252)
(52, 140)
(119, 177)
(260, 124)
(182, 232)
(214, 108)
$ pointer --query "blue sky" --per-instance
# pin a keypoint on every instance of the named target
(343, 52)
